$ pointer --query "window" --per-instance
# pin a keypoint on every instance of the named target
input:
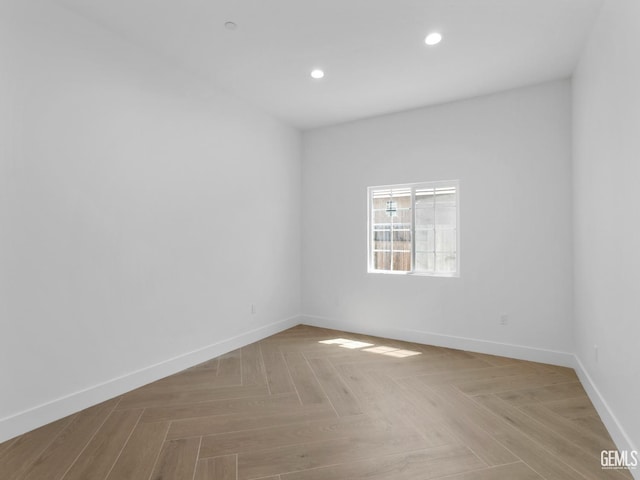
(413, 229)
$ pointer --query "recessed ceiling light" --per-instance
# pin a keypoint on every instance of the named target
(433, 38)
(317, 74)
(230, 25)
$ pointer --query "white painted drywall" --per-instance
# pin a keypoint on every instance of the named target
(606, 129)
(141, 212)
(511, 153)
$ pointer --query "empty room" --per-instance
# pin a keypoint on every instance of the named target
(295, 240)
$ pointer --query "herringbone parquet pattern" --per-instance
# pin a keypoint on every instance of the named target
(314, 404)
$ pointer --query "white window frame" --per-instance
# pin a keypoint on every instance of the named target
(413, 187)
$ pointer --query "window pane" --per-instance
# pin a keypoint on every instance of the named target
(379, 203)
(445, 215)
(446, 196)
(446, 210)
(402, 251)
(401, 261)
(424, 197)
(381, 261)
(402, 236)
(425, 262)
(403, 201)
(380, 217)
(424, 217)
(445, 262)
(382, 246)
(382, 235)
(424, 207)
(402, 217)
(425, 241)
(446, 240)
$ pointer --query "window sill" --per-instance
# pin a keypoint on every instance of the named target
(416, 274)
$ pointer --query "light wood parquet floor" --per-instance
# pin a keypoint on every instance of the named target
(316, 404)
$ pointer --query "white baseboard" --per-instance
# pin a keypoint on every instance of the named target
(40, 415)
(618, 434)
(521, 352)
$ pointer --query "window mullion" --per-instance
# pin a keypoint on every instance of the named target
(372, 233)
(391, 225)
(413, 229)
(435, 233)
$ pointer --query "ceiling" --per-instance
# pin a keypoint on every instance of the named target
(372, 51)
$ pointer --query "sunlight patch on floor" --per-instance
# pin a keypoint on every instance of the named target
(392, 352)
(382, 350)
(344, 343)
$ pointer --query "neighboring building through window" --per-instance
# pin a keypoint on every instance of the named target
(413, 228)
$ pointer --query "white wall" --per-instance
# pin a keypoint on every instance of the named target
(141, 213)
(606, 121)
(511, 153)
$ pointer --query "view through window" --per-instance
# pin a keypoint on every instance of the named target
(413, 228)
